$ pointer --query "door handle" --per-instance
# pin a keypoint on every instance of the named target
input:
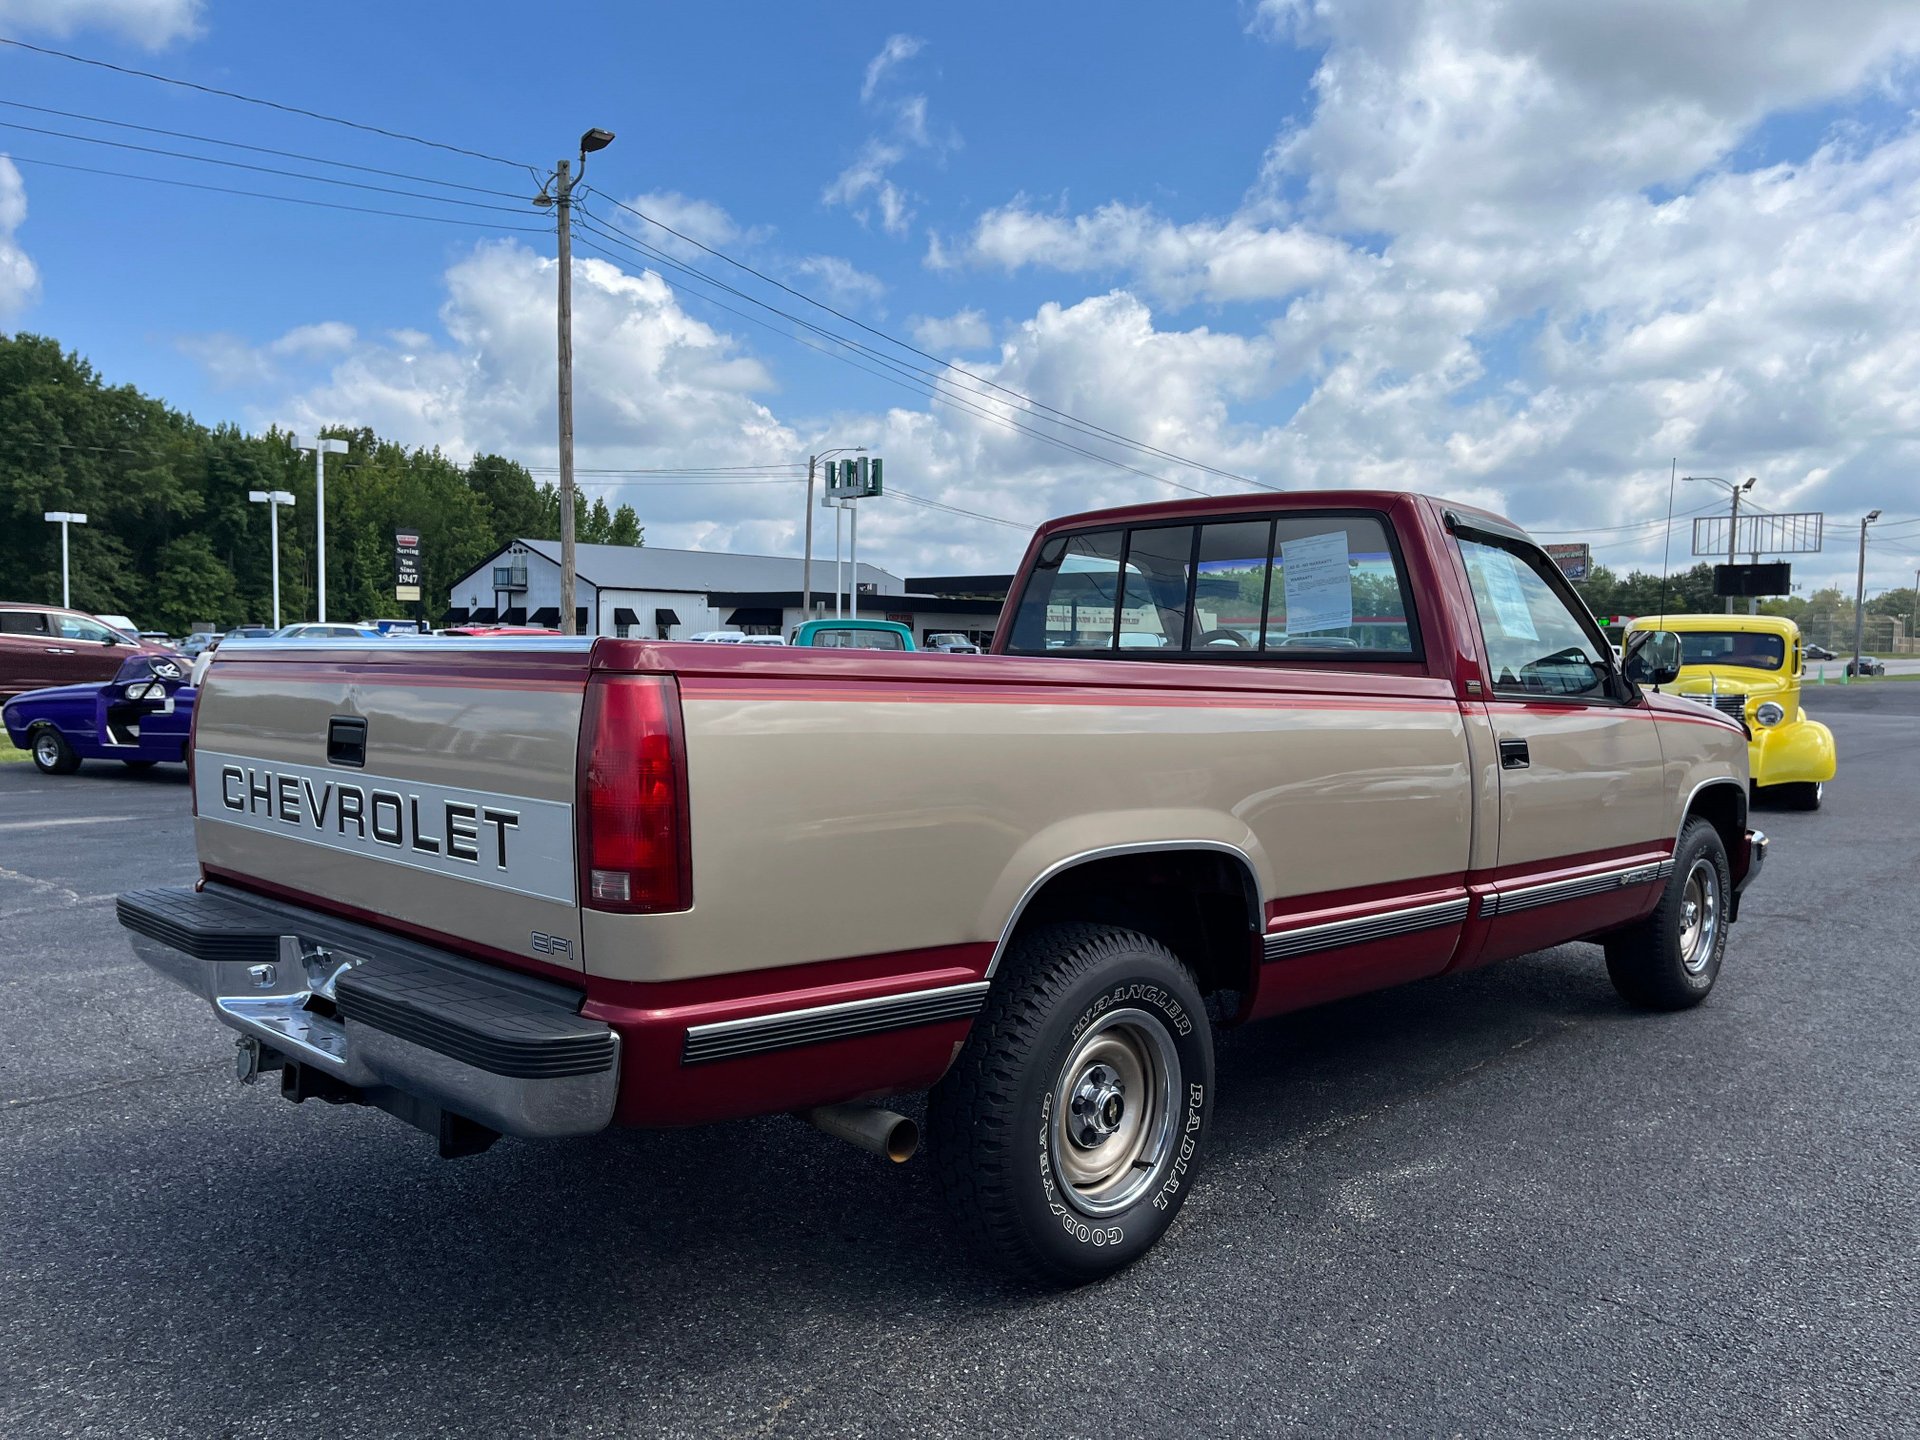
(1513, 755)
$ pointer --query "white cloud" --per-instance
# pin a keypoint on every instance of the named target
(866, 184)
(19, 281)
(151, 24)
(841, 279)
(233, 363)
(329, 337)
(898, 49)
(698, 220)
(964, 330)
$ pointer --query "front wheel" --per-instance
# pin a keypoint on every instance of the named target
(1800, 795)
(1670, 960)
(1067, 1133)
(52, 754)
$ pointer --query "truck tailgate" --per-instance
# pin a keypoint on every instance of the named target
(429, 779)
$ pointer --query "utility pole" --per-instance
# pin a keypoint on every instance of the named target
(322, 446)
(562, 182)
(1733, 529)
(853, 562)
(64, 518)
(1860, 592)
(273, 500)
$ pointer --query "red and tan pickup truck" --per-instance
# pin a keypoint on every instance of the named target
(1228, 758)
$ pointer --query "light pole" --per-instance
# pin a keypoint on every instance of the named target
(1733, 530)
(273, 500)
(64, 518)
(562, 182)
(806, 553)
(321, 446)
(1860, 592)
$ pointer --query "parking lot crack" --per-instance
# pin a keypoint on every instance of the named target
(1682, 1331)
(27, 1101)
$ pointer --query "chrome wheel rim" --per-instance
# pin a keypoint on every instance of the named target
(1113, 1111)
(1699, 916)
(46, 748)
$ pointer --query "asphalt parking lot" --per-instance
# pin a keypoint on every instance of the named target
(1494, 1204)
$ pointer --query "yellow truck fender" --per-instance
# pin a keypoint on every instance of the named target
(1800, 752)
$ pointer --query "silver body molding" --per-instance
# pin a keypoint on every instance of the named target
(1505, 902)
(269, 1003)
(1306, 939)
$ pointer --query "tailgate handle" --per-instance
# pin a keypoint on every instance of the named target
(347, 741)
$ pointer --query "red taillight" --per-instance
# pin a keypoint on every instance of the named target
(634, 853)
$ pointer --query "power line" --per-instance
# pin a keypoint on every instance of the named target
(1636, 525)
(1064, 417)
(258, 149)
(928, 389)
(268, 104)
(956, 510)
(286, 199)
(258, 169)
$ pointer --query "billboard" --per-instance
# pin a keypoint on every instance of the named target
(1760, 534)
(1775, 578)
(1575, 561)
(406, 564)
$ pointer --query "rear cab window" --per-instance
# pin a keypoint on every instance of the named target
(1327, 586)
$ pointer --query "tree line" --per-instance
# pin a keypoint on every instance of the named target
(172, 540)
(1825, 615)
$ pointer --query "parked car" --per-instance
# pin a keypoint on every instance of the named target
(141, 717)
(951, 643)
(1820, 652)
(121, 623)
(326, 630)
(198, 641)
(721, 637)
(42, 645)
(1866, 665)
(853, 635)
(491, 632)
(464, 889)
(1750, 667)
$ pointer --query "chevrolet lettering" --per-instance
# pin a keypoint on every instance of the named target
(1228, 758)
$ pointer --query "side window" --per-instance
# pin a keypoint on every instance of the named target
(1230, 585)
(74, 627)
(23, 622)
(1336, 587)
(1536, 646)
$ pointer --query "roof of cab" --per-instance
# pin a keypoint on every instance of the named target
(1752, 624)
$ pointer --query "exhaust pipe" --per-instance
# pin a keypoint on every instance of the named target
(880, 1131)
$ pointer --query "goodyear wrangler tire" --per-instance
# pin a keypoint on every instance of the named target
(1670, 960)
(1067, 1134)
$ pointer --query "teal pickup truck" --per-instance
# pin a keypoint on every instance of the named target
(853, 635)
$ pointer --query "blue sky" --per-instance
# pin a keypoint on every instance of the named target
(1522, 254)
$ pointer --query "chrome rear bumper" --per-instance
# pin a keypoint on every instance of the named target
(1756, 844)
(382, 1016)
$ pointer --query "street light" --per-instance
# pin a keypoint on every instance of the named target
(321, 446)
(273, 500)
(562, 181)
(1860, 591)
(64, 518)
(1733, 530)
(806, 562)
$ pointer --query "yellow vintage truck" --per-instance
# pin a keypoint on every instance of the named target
(1750, 667)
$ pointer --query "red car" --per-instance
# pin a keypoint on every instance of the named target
(42, 645)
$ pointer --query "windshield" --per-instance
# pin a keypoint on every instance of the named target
(1746, 649)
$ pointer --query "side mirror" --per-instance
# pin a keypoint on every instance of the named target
(1653, 657)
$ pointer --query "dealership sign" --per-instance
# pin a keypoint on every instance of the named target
(406, 565)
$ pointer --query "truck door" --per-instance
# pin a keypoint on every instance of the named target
(1582, 842)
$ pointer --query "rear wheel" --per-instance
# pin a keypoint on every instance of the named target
(1066, 1135)
(1670, 960)
(51, 752)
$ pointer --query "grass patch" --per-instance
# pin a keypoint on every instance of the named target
(8, 754)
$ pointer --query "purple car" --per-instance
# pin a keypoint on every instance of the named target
(140, 717)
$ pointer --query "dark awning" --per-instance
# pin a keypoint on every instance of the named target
(485, 615)
(664, 616)
(514, 615)
(754, 615)
(455, 616)
(624, 616)
(546, 615)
